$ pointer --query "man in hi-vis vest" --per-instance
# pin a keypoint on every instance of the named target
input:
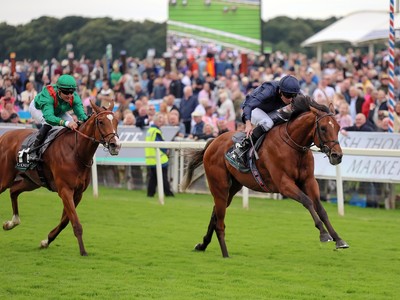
(154, 134)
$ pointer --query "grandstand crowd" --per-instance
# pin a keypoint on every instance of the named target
(201, 87)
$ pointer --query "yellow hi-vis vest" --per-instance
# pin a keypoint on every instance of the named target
(151, 152)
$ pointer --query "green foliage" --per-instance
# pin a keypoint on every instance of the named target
(286, 34)
(47, 37)
(6, 33)
(139, 249)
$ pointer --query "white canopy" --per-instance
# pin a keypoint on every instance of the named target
(363, 27)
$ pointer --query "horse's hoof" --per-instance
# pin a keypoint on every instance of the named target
(325, 237)
(198, 247)
(44, 244)
(84, 254)
(341, 245)
(6, 225)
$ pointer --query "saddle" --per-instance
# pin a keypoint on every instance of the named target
(24, 163)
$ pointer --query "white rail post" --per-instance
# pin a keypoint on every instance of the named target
(160, 184)
(339, 190)
(95, 180)
(245, 195)
(175, 169)
(181, 167)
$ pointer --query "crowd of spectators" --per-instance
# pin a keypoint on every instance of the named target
(206, 85)
(200, 87)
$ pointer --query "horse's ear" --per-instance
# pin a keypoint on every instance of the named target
(94, 106)
(111, 107)
(332, 108)
(314, 110)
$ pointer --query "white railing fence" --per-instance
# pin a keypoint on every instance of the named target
(178, 170)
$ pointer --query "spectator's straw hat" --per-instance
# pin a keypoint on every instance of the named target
(197, 114)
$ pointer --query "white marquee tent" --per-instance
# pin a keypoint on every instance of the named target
(358, 28)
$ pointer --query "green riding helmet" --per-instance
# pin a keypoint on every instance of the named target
(66, 82)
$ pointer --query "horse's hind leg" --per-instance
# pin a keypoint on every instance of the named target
(216, 224)
(56, 231)
(16, 189)
(218, 215)
(207, 238)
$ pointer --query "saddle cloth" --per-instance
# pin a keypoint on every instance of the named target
(23, 162)
(249, 159)
(238, 138)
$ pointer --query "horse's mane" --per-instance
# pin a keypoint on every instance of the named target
(302, 103)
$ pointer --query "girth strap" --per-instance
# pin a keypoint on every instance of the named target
(256, 174)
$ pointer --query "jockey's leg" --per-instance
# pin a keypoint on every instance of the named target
(264, 123)
(39, 141)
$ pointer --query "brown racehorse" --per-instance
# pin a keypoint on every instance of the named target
(66, 167)
(286, 165)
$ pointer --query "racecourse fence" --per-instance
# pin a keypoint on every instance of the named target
(385, 162)
(368, 157)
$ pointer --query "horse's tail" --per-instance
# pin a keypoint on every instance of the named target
(195, 161)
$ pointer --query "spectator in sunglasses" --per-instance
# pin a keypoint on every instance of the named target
(50, 108)
(266, 106)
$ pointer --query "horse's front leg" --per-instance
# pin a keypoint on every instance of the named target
(291, 190)
(67, 196)
(63, 223)
(311, 188)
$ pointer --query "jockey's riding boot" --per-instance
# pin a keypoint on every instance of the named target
(241, 148)
(34, 155)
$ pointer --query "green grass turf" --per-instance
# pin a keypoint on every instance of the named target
(139, 249)
(245, 21)
(207, 35)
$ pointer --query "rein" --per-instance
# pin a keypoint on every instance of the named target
(94, 140)
(288, 140)
(103, 138)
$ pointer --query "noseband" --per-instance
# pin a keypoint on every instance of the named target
(105, 139)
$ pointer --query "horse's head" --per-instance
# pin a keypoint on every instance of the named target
(326, 135)
(106, 127)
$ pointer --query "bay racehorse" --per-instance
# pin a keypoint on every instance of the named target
(66, 167)
(285, 165)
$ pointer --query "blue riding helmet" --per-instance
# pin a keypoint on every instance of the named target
(289, 84)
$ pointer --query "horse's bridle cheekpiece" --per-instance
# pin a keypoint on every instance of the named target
(103, 140)
(323, 144)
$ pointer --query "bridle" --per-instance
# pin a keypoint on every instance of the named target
(322, 144)
(324, 148)
(105, 138)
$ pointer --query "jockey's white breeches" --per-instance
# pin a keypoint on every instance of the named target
(260, 117)
(37, 115)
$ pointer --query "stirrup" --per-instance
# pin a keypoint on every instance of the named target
(237, 161)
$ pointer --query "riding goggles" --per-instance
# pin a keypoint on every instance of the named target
(289, 95)
(67, 91)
